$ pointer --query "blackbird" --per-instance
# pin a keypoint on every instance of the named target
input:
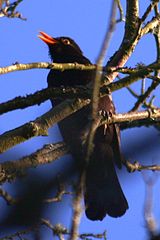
(102, 194)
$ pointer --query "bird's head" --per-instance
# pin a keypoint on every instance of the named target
(61, 49)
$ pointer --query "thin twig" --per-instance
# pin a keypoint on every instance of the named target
(142, 98)
(7, 197)
(122, 17)
(149, 9)
(132, 92)
(136, 166)
(9, 10)
(46, 65)
(68, 66)
(143, 86)
(59, 230)
(19, 233)
(97, 80)
(148, 206)
(61, 191)
(77, 208)
(149, 26)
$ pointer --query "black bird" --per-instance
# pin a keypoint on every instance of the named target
(103, 193)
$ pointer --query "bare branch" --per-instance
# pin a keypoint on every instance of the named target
(148, 206)
(136, 166)
(7, 197)
(43, 95)
(135, 76)
(130, 38)
(59, 230)
(149, 9)
(67, 66)
(9, 10)
(10, 170)
(18, 234)
(143, 97)
(149, 27)
(40, 126)
(133, 116)
(61, 191)
(122, 17)
(45, 65)
(77, 207)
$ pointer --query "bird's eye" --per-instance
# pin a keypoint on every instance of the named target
(66, 41)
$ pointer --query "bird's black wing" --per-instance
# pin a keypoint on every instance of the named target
(103, 193)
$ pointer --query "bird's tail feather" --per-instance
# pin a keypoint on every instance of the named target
(103, 193)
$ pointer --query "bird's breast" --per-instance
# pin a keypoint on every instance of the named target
(69, 78)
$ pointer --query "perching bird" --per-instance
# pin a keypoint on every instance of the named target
(103, 194)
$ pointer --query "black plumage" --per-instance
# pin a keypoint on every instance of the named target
(103, 194)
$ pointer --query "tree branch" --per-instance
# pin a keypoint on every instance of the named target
(7, 197)
(136, 166)
(9, 10)
(82, 92)
(46, 65)
(149, 9)
(40, 126)
(10, 170)
(43, 95)
(49, 153)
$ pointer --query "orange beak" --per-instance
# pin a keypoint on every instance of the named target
(47, 39)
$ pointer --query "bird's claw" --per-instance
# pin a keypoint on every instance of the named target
(106, 115)
(103, 113)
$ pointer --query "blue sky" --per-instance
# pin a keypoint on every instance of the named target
(86, 22)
